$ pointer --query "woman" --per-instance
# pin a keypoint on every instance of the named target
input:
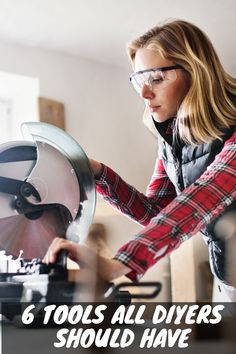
(190, 102)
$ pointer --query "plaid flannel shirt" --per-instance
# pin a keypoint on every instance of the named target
(169, 219)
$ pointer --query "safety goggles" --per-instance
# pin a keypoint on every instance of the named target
(156, 78)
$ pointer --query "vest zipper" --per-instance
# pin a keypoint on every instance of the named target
(177, 155)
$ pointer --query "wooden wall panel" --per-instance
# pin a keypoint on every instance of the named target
(52, 112)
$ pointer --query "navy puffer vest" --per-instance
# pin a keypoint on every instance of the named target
(184, 164)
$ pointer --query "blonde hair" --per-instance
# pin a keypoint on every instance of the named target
(207, 107)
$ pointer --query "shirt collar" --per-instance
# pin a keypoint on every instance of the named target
(165, 129)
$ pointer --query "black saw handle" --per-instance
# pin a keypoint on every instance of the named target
(117, 291)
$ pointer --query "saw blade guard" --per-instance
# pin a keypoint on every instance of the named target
(74, 165)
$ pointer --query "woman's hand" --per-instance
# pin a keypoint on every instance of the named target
(78, 253)
(96, 167)
(106, 268)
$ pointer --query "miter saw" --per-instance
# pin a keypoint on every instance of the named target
(47, 190)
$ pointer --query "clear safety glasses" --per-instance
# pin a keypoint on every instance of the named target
(156, 78)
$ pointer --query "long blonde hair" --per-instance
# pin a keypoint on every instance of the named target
(207, 107)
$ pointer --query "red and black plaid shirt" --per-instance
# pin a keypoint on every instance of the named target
(169, 219)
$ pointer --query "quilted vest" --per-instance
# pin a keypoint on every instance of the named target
(184, 164)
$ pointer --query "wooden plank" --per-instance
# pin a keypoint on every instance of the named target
(183, 276)
(52, 112)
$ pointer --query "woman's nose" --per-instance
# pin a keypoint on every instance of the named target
(146, 92)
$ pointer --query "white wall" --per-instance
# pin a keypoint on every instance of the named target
(18, 97)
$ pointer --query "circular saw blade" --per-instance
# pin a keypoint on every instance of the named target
(32, 236)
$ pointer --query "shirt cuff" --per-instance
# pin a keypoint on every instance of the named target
(133, 274)
(141, 254)
(138, 259)
(102, 174)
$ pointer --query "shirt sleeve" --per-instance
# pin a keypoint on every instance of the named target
(189, 212)
(138, 206)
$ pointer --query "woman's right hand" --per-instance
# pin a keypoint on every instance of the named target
(107, 269)
(96, 167)
(80, 254)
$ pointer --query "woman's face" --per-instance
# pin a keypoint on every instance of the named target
(162, 102)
